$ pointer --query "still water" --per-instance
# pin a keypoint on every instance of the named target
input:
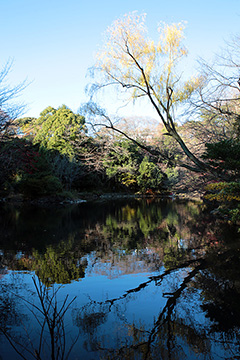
(122, 279)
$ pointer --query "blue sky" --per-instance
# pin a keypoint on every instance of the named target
(53, 42)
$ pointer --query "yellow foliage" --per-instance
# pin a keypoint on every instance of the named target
(222, 197)
(130, 58)
(170, 40)
(188, 88)
(223, 191)
(216, 186)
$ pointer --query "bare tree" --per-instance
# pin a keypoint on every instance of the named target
(217, 100)
(9, 108)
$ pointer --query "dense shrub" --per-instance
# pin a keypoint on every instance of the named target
(223, 191)
(150, 176)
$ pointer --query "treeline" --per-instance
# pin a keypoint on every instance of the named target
(54, 154)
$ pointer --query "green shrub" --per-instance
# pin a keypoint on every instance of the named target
(172, 176)
(235, 214)
(150, 176)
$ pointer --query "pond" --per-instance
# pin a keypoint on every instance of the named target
(118, 279)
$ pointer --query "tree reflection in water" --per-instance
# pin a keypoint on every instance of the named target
(48, 340)
(159, 280)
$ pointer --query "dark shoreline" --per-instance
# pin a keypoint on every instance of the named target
(83, 197)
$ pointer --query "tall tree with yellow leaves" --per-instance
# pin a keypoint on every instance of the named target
(132, 61)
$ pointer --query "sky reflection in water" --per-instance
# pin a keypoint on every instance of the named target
(152, 280)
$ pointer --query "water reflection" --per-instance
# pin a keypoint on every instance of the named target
(152, 280)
